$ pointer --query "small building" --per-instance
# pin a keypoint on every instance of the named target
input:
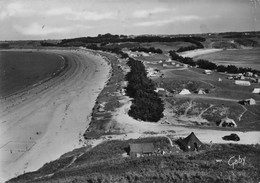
(138, 149)
(219, 79)
(227, 122)
(249, 101)
(242, 83)
(256, 90)
(190, 143)
(185, 92)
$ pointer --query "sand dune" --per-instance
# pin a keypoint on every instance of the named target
(41, 124)
(197, 52)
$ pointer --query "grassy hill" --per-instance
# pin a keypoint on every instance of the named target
(106, 163)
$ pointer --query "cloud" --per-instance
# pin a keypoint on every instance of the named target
(58, 11)
(15, 9)
(147, 13)
(79, 15)
(36, 29)
(185, 18)
(94, 16)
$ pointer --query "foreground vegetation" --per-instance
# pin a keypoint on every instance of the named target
(105, 163)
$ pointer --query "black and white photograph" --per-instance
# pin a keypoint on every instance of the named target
(120, 91)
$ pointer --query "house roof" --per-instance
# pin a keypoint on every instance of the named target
(142, 147)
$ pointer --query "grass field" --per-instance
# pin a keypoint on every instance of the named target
(240, 58)
(21, 69)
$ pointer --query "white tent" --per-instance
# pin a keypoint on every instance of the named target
(256, 90)
(201, 92)
(185, 92)
(250, 101)
(227, 122)
(242, 83)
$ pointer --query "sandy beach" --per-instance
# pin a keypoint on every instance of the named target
(194, 53)
(39, 125)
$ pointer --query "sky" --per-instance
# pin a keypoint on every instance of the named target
(58, 19)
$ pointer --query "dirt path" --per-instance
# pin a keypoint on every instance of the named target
(205, 97)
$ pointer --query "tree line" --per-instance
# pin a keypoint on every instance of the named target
(147, 50)
(110, 38)
(147, 105)
(188, 48)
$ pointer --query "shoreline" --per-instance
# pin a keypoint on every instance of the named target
(62, 108)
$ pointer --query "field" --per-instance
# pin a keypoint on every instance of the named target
(108, 162)
(240, 58)
(21, 69)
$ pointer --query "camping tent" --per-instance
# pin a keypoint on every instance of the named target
(191, 143)
(242, 83)
(201, 92)
(138, 149)
(207, 71)
(184, 92)
(227, 122)
(256, 90)
(249, 101)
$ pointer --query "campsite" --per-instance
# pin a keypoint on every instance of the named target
(150, 91)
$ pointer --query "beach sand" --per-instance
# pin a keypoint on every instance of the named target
(194, 53)
(43, 123)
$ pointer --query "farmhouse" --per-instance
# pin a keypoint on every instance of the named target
(242, 83)
(227, 122)
(247, 102)
(138, 149)
(256, 90)
(185, 92)
(191, 143)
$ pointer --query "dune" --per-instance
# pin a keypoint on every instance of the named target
(41, 124)
(194, 53)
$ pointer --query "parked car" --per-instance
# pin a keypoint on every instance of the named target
(232, 136)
